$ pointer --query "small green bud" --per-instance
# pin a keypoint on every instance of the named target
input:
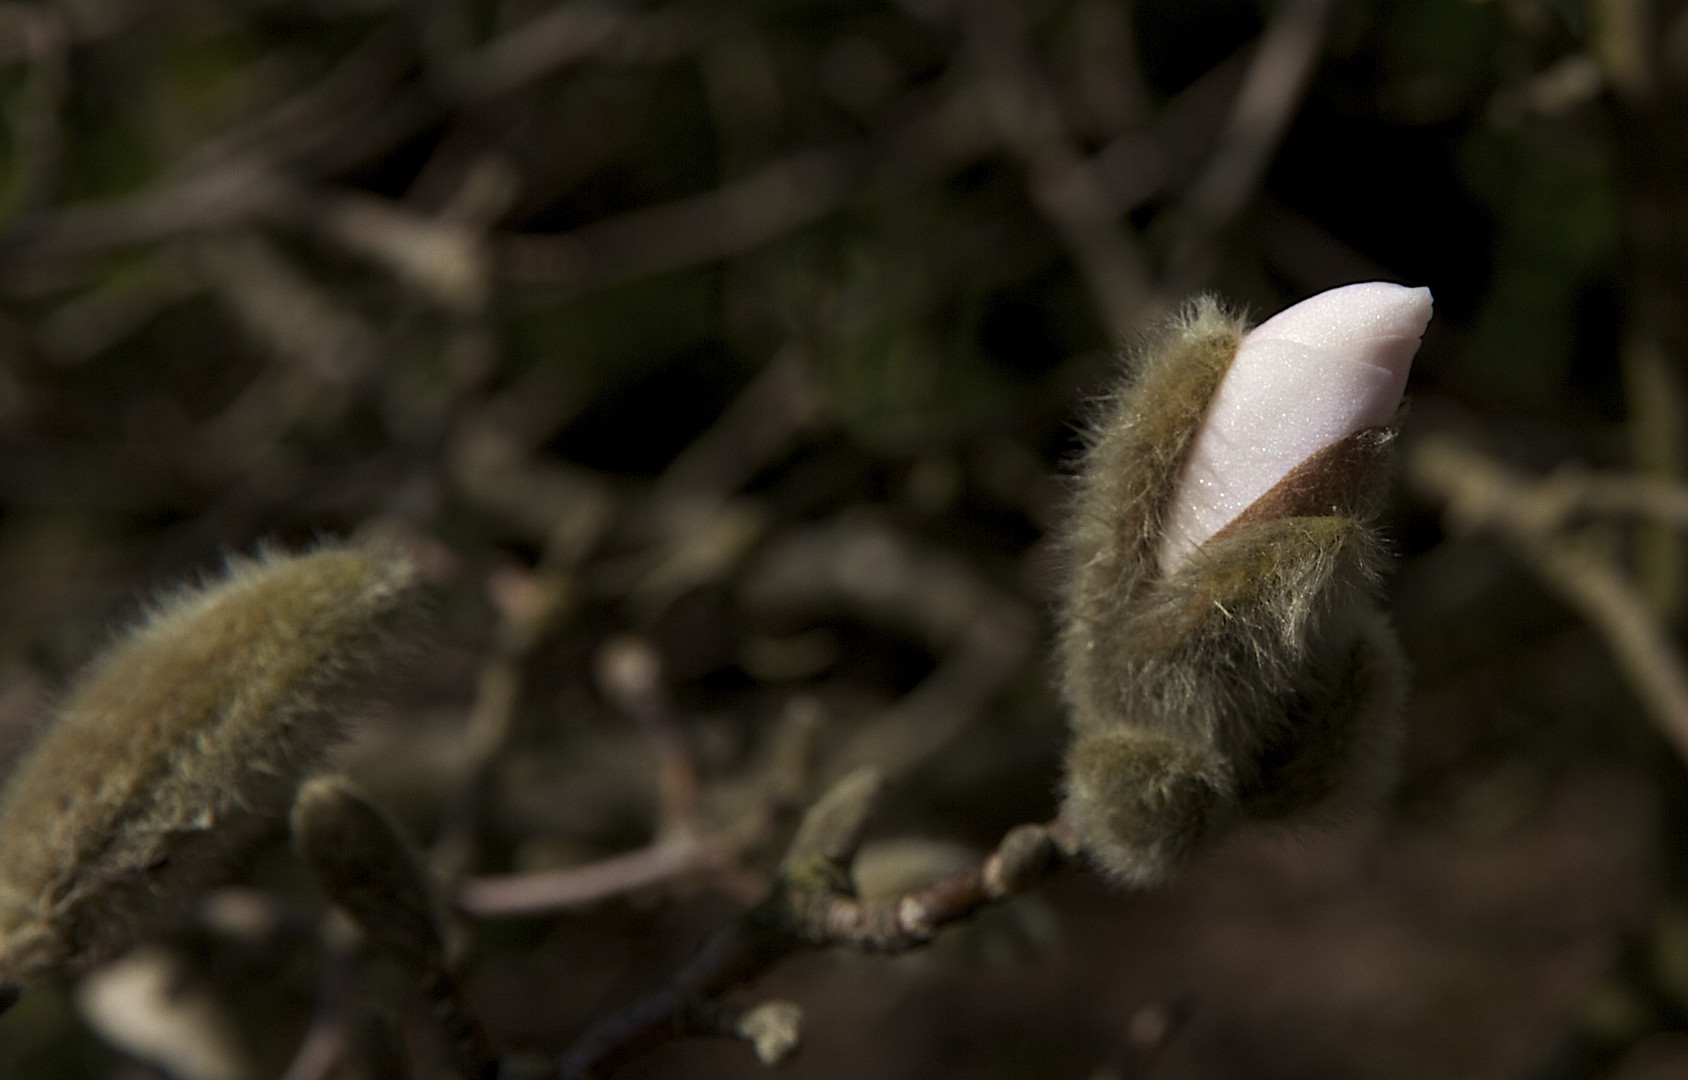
(1224, 668)
(184, 741)
(370, 870)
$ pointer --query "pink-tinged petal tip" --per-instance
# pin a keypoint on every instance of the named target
(1310, 375)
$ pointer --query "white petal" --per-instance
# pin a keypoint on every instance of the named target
(1314, 373)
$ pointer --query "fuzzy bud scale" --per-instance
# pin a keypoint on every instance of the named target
(183, 742)
(1222, 653)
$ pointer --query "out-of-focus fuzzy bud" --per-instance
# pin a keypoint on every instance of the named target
(1222, 652)
(184, 741)
(372, 872)
(367, 866)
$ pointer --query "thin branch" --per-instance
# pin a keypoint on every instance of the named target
(1277, 77)
(783, 778)
(729, 220)
(325, 1039)
(630, 674)
(550, 891)
(1482, 495)
(528, 604)
(813, 905)
(1066, 189)
(1578, 492)
(564, 35)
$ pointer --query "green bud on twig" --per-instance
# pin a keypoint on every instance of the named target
(367, 866)
(372, 872)
(184, 741)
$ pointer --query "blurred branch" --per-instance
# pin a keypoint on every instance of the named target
(630, 674)
(215, 197)
(1063, 185)
(776, 788)
(319, 350)
(753, 432)
(93, 321)
(930, 717)
(528, 604)
(359, 110)
(549, 891)
(39, 139)
(1277, 77)
(324, 1042)
(730, 220)
(1484, 496)
(349, 95)
(983, 634)
(569, 33)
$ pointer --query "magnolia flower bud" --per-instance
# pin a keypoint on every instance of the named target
(1307, 377)
(1222, 653)
(184, 741)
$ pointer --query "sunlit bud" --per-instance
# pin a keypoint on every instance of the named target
(1223, 657)
(1310, 375)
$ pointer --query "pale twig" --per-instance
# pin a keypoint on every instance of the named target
(782, 781)
(1277, 77)
(492, 463)
(865, 567)
(729, 220)
(1577, 492)
(284, 309)
(629, 673)
(1624, 41)
(690, 529)
(444, 260)
(754, 431)
(1482, 495)
(357, 111)
(983, 634)
(565, 35)
(1139, 164)
(318, 115)
(38, 151)
(81, 25)
(120, 305)
(930, 717)
(550, 891)
(748, 212)
(325, 1039)
(528, 604)
(1107, 75)
(1656, 408)
(320, 349)
(1065, 188)
(218, 196)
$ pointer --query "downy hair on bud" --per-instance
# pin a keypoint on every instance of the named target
(184, 741)
(1222, 651)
